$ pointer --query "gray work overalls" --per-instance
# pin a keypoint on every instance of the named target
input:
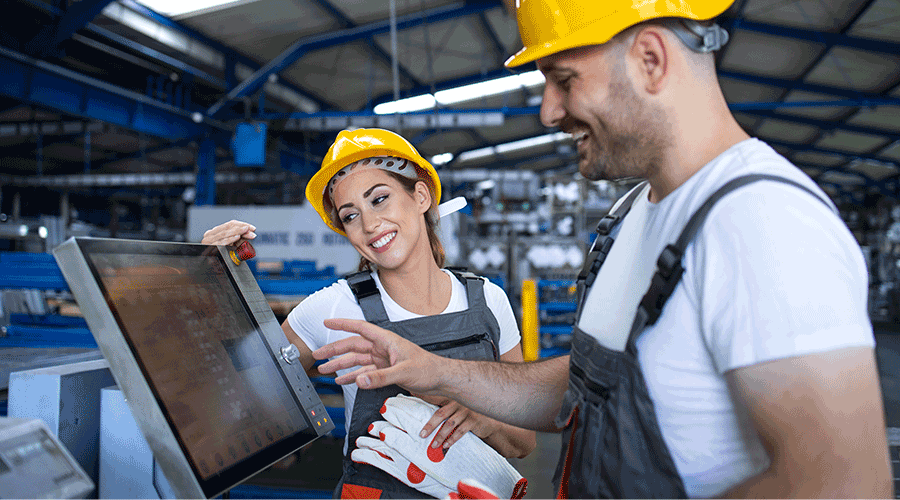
(612, 443)
(470, 334)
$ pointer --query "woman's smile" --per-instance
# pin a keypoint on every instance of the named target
(382, 242)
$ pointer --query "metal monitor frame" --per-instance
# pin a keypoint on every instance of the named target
(84, 282)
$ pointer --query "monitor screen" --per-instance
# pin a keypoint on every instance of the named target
(201, 351)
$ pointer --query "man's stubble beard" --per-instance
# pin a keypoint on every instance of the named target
(635, 134)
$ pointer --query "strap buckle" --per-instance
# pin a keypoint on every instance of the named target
(362, 288)
(607, 224)
(665, 280)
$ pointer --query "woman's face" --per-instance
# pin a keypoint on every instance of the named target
(383, 221)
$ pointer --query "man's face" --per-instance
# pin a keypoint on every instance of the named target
(590, 95)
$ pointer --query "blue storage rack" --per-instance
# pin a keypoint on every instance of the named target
(557, 311)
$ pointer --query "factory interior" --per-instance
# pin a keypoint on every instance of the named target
(157, 120)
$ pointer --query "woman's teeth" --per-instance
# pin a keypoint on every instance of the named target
(384, 240)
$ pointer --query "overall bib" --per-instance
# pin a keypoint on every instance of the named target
(470, 334)
(612, 443)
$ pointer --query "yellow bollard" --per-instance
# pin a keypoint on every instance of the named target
(531, 345)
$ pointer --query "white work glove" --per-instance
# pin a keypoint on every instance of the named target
(374, 452)
(470, 489)
(467, 457)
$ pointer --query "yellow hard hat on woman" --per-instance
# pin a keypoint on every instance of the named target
(387, 149)
(551, 26)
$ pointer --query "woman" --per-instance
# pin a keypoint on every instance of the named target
(375, 189)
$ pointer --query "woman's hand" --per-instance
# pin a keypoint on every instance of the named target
(229, 233)
(458, 420)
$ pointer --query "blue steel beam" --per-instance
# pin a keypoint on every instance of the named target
(829, 44)
(830, 39)
(77, 16)
(206, 173)
(231, 55)
(315, 42)
(809, 148)
(791, 84)
(157, 55)
(842, 103)
(346, 23)
(823, 124)
(66, 91)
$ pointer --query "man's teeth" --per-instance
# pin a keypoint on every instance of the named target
(384, 240)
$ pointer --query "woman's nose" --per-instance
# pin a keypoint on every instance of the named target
(370, 220)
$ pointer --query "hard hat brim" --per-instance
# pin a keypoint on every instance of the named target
(604, 29)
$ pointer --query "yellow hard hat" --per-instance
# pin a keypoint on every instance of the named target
(355, 145)
(551, 26)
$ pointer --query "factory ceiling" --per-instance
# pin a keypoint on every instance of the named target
(103, 88)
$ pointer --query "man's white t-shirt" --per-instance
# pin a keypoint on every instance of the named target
(338, 301)
(773, 273)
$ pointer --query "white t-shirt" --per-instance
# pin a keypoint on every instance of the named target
(338, 301)
(773, 273)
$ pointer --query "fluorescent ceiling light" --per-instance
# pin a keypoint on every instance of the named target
(529, 143)
(179, 7)
(465, 93)
(441, 159)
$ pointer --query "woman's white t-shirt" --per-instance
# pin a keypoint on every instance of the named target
(338, 301)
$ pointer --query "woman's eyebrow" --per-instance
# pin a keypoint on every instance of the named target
(369, 191)
(365, 195)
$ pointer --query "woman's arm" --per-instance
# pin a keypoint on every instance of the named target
(306, 358)
(508, 440)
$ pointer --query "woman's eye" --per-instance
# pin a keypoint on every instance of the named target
(378, 199)
(347, 218)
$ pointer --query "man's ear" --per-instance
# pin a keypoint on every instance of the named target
(651, 51)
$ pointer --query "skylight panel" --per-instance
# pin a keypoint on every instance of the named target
(178, 7)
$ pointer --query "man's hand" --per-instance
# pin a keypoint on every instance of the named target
(384, 358)
(524, 395)
(229, 233)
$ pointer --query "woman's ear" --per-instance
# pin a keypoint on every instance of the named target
(422, 195)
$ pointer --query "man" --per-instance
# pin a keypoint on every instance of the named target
(749, 374)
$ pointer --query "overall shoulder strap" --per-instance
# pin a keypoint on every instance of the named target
(603, 244)
(474, 287)
(669, 265)
(363, 286)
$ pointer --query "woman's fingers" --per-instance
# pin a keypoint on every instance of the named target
(450, 426)
(467, 426)
(442, 414)
(228, 233)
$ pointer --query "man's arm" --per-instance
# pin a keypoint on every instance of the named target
(821, 420)
(521, 394)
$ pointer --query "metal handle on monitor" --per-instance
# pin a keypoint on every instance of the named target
(290, 353)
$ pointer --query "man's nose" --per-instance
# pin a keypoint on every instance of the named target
(552, 111)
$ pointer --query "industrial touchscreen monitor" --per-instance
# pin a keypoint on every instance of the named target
(194, 346)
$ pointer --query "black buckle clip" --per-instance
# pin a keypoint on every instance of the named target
(596, 257)
(365, 288)
(663, 284)
(607, 223)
